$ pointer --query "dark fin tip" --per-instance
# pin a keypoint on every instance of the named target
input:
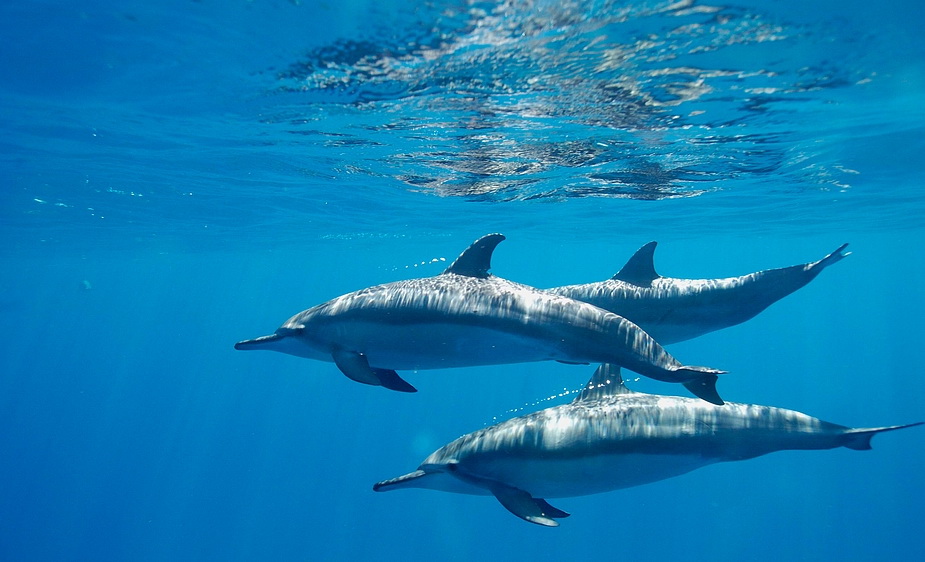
(392, 381)
(551, 511)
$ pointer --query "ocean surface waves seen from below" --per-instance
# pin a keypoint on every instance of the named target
(289, 118)
(526, 100)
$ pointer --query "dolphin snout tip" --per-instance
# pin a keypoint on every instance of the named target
(256, 342)
(244, 345)
(403, 481)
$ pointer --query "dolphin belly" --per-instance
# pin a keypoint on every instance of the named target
(585, 475)
(440, 345)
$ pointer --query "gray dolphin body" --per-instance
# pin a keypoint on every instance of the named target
(610, 438)
(672, 310)
(467, 317)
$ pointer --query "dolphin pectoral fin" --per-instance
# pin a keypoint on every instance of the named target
(704, 387)
(525, 506)
(356, 367)
(390, 379)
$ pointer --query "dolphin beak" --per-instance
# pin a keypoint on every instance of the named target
(263, 342)
(404, 481)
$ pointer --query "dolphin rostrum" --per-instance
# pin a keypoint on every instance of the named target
(609, 438)
(672, 310)
(466, 316)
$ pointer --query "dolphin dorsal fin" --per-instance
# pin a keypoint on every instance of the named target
(476, 260)
(640, 269)
(606, 381)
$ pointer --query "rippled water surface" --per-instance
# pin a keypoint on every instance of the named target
(156, 121)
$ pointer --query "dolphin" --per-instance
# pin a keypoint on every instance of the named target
(673, 310)
(465, 317)
(609, 438)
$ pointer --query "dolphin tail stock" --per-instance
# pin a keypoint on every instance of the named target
(836, 256)
(859, 439)
(703, 383)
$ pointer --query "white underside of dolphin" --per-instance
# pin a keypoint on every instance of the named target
(672, 310)
(467, 317)
(611, 438)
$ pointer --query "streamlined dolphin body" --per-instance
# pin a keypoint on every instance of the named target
(672, 310)
(465, 317)
(609, 438)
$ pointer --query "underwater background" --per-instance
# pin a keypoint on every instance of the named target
(181, 175)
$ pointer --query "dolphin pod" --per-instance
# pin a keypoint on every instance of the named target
(465, 317)
(609, 438)
(673, 310)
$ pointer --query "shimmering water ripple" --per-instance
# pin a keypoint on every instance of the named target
(297, 120)
(524, 100)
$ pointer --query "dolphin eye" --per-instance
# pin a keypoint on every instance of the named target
(452, 465)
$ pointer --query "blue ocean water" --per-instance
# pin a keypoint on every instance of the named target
(181, 175)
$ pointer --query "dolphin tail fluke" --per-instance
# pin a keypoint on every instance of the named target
(525, 506)
(834, 257)
(859, 439)
(704, 385)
